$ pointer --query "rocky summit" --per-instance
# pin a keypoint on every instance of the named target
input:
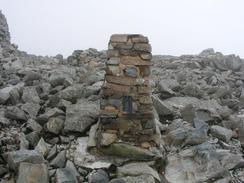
(50, 113)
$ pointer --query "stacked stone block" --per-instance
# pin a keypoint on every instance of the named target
(126, 107)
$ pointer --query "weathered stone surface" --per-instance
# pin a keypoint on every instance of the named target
(29, 173)
(32, 76)
(31, 109)
(119, 38)
(83, 158)
(130, 179)
(128, 60)
(108, 138)
(146, 56)
(5, 94)
(221, 133)
(142, 47)
(186, 162)
(64, 175)
(30, 95)
(139, 39)
(98, 176)
(15, 113)
(54, 112)
(126, 80)
(131, 71)
(129, 151)
(24, 143)
(113, 61)
(60, 160)
(80, 116)
(33, 138)
(135, 169)
(161, 107)
(42, 147)
(72, 93)
(33, 125)
(29, 156)
(55, 125)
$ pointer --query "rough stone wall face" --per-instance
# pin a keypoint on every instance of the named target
(4, 32)
(126, 105)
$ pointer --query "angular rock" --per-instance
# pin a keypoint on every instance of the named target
(31, 76)
(30, 95)
(42, 147)
(193, 90)
(221, 133)
(24, 143)
(130, 179)
(129, 151)
(33, 138)
(5, 94)
(60, 160)
(98, 176)
(71, 167)
(54, 112)
(15, 113)
(83, 158)
(72, 93)
(162, 108)
(108, 138)
(55, 125)
(31, 109)
(135, 169)
(33, 125)
(80, 116)
(64, 175)
(30, 156)
(29, 173)
(176, 137)
(14, 96)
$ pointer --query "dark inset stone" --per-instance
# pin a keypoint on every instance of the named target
(131, 72)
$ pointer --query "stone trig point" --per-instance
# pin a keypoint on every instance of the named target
(126, 111)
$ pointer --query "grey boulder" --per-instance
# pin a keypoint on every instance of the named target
(29, 173)
(80, 116)
(30, 156)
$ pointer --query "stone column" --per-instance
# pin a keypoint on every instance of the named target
(126, 114)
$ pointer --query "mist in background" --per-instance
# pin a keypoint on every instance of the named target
(174, 27)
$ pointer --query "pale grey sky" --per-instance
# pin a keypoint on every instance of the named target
(175, 27)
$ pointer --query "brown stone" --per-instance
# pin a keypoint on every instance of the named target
(146, 56)
(113, 61)
(120, 46)
(109, 111)
(132, 53)
(108, 138)
(143, 89)
(126, 90)
(128, 126)
(146, 99)
(111, 131)
(112, 53)
(139, 39)
(131, 60)
(119, 38)
(110, 102)
(113, 70)
(148, 115)
(144, 71)
(142, 47)
(128, 81)
(145, 108)
(146, 145)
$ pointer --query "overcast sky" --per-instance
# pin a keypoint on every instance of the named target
(175, 27)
